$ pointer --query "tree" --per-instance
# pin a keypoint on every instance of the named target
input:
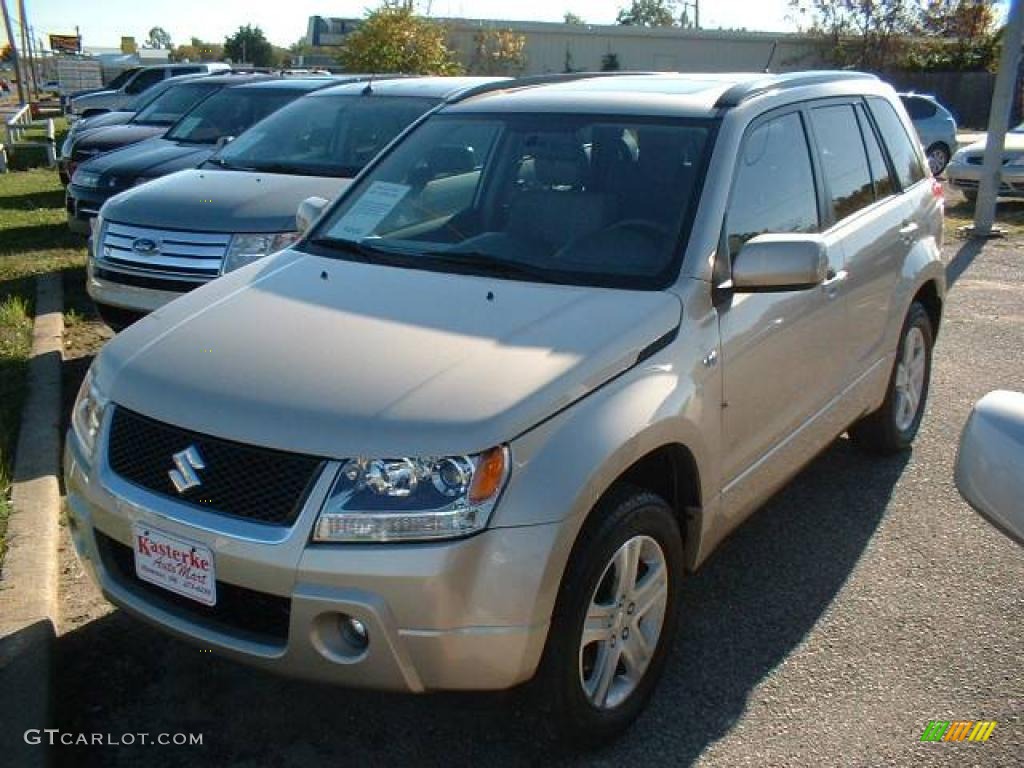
(610, 62)
(903, 34)
(498, 52)
(394, 39)
(249, 46)
(197, 50)
(158, 38)
(648, 13)
(572, 18)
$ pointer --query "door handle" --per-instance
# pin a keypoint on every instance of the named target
(833, 280)
(908, 229)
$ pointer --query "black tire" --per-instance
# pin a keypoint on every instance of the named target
(626, 512)
(117, 318)
(972, 196)
(879, 432)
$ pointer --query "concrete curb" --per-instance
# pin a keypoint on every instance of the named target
(28, 582)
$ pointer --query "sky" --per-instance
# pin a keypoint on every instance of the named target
(103, 22)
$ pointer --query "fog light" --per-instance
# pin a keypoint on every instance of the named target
(354, 633)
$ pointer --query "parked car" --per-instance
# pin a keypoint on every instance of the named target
(474, 426)
(237, 104)
(964, 171)
(240, 205)
(121, 91)
(990, 461)
(935, 126)
(85, 128)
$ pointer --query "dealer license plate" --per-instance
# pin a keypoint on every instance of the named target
(178, 565)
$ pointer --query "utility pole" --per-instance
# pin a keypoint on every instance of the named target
(14, 52)
(695, 4)
(26, 49)
(998, 118)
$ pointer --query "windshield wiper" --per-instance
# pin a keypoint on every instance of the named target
(478, 262)
(364, 253)
(222, 163)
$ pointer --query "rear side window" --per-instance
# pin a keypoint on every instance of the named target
(880, 176)
(902, 149)
(144, 80)
(843, 162)
(774, 186)
(918, 109)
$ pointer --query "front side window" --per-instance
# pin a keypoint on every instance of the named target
(228, 112)
(564, 198)
(773, 190)
(843, 162)
(902, 149)
(173, 103)
(324, 135)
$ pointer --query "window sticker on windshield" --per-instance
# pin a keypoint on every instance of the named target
(369, 210)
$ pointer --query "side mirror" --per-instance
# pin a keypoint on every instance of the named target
(990, 461)
(309, 211)
(223, 141)
(787, 262)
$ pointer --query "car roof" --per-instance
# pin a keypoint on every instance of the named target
(228, 78)
(425, 87)
(642, 93)
(278, 83)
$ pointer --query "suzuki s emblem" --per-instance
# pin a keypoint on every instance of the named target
(145, 246)
(185, 474)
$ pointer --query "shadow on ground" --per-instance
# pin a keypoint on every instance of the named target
(744, 613)
(31, 201)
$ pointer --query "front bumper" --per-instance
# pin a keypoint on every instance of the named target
(83, 204)
(967, 176)
(465, 614)
(136, 292)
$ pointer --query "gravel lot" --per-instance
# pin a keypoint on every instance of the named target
(863, 601)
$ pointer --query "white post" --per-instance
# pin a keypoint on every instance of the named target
(51, 143)
(998, 117)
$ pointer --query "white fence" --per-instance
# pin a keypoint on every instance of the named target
(16, 126)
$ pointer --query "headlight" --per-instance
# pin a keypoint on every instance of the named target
(87, 179)
(87, 415)
(245, 249)
(411, 499)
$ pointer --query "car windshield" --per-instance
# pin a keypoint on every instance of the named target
(172, 103)
(549, 197)
(324, 135)
(228, 113)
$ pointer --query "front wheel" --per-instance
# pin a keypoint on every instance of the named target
(938, 157)
(893, 427)
(614, 620)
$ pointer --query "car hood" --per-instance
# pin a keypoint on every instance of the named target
(152, 157)
(211, 200)
(332, 358)
(85, 99)
(109, 137)
(114, 117)
(1014, 143)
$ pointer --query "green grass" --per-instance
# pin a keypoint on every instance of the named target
(34, 240)
(1009, 216)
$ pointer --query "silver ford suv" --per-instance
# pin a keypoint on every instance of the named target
(530, 368)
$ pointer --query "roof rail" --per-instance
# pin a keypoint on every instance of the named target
(534, 80)
(740, 92)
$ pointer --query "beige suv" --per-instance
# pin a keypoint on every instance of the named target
(544, 353)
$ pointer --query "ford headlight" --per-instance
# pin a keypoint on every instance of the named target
(410, 499)
(245, 249)
(87, 415)
(87, 179)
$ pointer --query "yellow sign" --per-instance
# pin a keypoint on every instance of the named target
(128, 45)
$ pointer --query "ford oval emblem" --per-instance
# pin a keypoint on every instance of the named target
(145, 246)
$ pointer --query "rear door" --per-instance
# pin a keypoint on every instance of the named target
(866, 215)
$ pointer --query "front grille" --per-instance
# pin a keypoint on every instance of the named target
(257, 484)
(163, 251)
(239, 611)
(980, 160)
(144, 281)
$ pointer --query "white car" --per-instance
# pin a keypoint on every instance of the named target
(964, 170)
(121, 91)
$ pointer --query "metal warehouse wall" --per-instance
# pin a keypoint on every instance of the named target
(641, 48)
